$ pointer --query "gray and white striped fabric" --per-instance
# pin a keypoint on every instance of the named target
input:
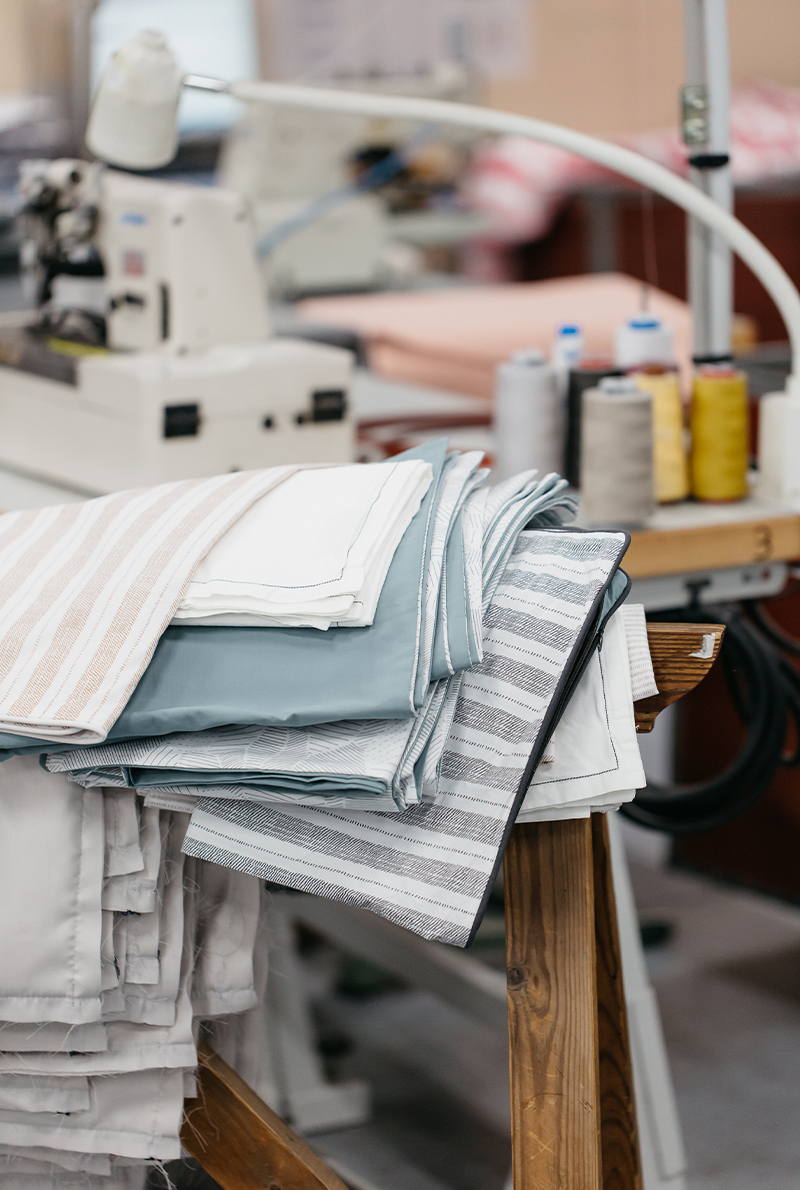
(430, 867)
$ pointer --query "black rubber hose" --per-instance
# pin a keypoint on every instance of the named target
(765, 690)
(785, 643)
(772, 631)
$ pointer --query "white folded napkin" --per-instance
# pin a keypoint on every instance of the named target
(315, 556)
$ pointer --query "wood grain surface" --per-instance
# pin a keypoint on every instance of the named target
(240, 1141)
(552, 1014)
(677, 668)
(740, 543)
(619, 1145)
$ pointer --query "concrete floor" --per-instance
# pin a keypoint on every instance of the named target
(729, 990)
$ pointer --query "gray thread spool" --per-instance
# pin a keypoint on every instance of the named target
(617, 479)
(528, 417)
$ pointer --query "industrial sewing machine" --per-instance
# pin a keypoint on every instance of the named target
(149, 357)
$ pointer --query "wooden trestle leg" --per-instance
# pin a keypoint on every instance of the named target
(573, 1119)
(241, 1142)
(552, 1007)
(573, 1123)
(573, 1116)
(618, 1132)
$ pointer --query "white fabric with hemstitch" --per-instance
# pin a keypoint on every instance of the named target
(312, 553)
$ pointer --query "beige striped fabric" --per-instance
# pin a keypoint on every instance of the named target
(86, 590)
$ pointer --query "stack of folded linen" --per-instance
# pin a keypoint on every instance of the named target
(347, 677)
(112, 943)
(355, 762)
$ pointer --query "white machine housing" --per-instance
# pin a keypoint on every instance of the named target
(180, 266)
(148, 417)
(192, 383)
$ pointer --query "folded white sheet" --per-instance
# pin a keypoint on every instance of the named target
(52, 1037)
(51, 873)
(313, 552)
(131, 1047)
(130, 1115)
(135, 892)
(594, 747)
(43, 1093)
(76, 1099)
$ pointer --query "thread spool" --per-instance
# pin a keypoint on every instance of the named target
(617, 479)
(588, 375)
(720, 433)
(643, 339)
(528, 417)
(670, 461)
(778, 431)
(566, 354)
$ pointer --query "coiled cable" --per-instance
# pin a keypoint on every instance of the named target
(765, 689)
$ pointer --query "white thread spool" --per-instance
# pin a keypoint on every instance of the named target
(528, 417)
(566, 353)
(644, 339)
(617, 474)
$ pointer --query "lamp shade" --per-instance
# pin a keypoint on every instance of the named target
(133, 121)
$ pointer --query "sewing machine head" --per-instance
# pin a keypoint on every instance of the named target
(137, 263)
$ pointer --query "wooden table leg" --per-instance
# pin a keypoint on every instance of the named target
(552, 1006)
(619, 1140)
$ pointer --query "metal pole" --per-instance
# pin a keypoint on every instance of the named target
(706, 130)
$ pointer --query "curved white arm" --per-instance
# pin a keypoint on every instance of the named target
(622, 161)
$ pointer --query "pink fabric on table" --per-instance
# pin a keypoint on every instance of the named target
(454, 338)
(519, 184)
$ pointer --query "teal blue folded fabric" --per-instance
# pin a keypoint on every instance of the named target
(136, 777)
(451, 649)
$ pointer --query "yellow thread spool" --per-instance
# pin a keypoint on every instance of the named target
(670, 464)
(720, 433)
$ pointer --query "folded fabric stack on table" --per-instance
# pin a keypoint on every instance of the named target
(345, 680)
(112, 950)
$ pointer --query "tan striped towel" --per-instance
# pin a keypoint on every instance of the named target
(86, 590)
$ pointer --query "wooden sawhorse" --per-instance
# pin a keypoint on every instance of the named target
(573, 1119)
